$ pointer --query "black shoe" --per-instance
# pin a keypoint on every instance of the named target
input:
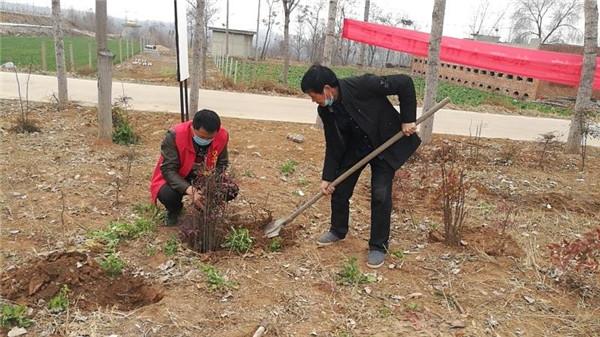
(171, 218)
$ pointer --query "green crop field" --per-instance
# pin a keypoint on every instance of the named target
(24, 51)
(249, 72)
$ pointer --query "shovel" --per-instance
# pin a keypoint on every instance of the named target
(272, 229)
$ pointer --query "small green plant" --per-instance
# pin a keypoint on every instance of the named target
(398, 254)
(351, 274)
(14, 315)
(150, 250)
(289, 167)
(214, 279)
(238, 240)
(143, 226)
(148, 211)
(122, 129)
(412, 306)
(249, 174)
(112, 264)
(117, 231)
(303, 182)
(343, 333)
(275, 244)
(60, 302)
(384, 312)
(171, 246)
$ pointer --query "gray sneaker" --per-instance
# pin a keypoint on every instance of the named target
(375, 259)
(327, 239)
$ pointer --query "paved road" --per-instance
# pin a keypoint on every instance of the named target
(288, 109)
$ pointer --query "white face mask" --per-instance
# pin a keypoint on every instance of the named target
(328, 101)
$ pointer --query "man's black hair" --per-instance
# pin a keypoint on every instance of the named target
(207, 119)
(316, 77)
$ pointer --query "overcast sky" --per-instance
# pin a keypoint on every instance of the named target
(459, 13)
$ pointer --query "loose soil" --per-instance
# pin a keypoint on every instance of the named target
(425, 288)
(90, 288)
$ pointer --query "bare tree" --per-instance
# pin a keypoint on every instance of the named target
(433, 62)
(584, 94)
(479, 17)
(546, 20)
(270, 21)
(346, 49)
(59, 47)
(298, 41)
(316, 28)
(104, 74)
(209, 12)
(196, 76)
(257, 28)
(288, 8)
(227, 30)
(329, 33)
(363, 47)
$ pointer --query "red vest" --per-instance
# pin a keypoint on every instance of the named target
(187, 154)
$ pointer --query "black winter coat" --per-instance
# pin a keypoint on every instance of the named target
(365, 99)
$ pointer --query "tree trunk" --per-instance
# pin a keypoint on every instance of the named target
(433, 61)
(329, 34)
(286, 43)
(59, 47)
(257, 27)
(197, 48)
(584, 94)
(205, 44)
(227, 30)
(363, 47)
(104, 75)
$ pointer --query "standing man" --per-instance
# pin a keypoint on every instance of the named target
(358, 117)
(189, 149)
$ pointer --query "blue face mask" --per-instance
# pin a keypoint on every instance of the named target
(201, 141)
(328, 101)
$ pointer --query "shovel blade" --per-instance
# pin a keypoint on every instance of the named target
(272, 229)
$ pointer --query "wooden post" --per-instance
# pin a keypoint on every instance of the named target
(72, 58)
(44, 64)
(235, 72)
(120, 50)
(90, 55)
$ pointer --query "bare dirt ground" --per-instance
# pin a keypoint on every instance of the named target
(493, 286)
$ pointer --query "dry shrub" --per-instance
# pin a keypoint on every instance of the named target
(25, 126)
(204, 228)
(452, 194)
(577, 262)
(506, 221)
(508, 154)
(547, 141)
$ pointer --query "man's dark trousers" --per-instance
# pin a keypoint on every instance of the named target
(382, 175)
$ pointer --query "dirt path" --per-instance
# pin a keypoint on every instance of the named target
(285, 109)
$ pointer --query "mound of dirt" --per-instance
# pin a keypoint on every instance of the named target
(487, 240)
(254, 220)
(89, 286)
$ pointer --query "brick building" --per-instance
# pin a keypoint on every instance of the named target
(503, 83)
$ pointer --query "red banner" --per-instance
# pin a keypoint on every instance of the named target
(548, 66)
